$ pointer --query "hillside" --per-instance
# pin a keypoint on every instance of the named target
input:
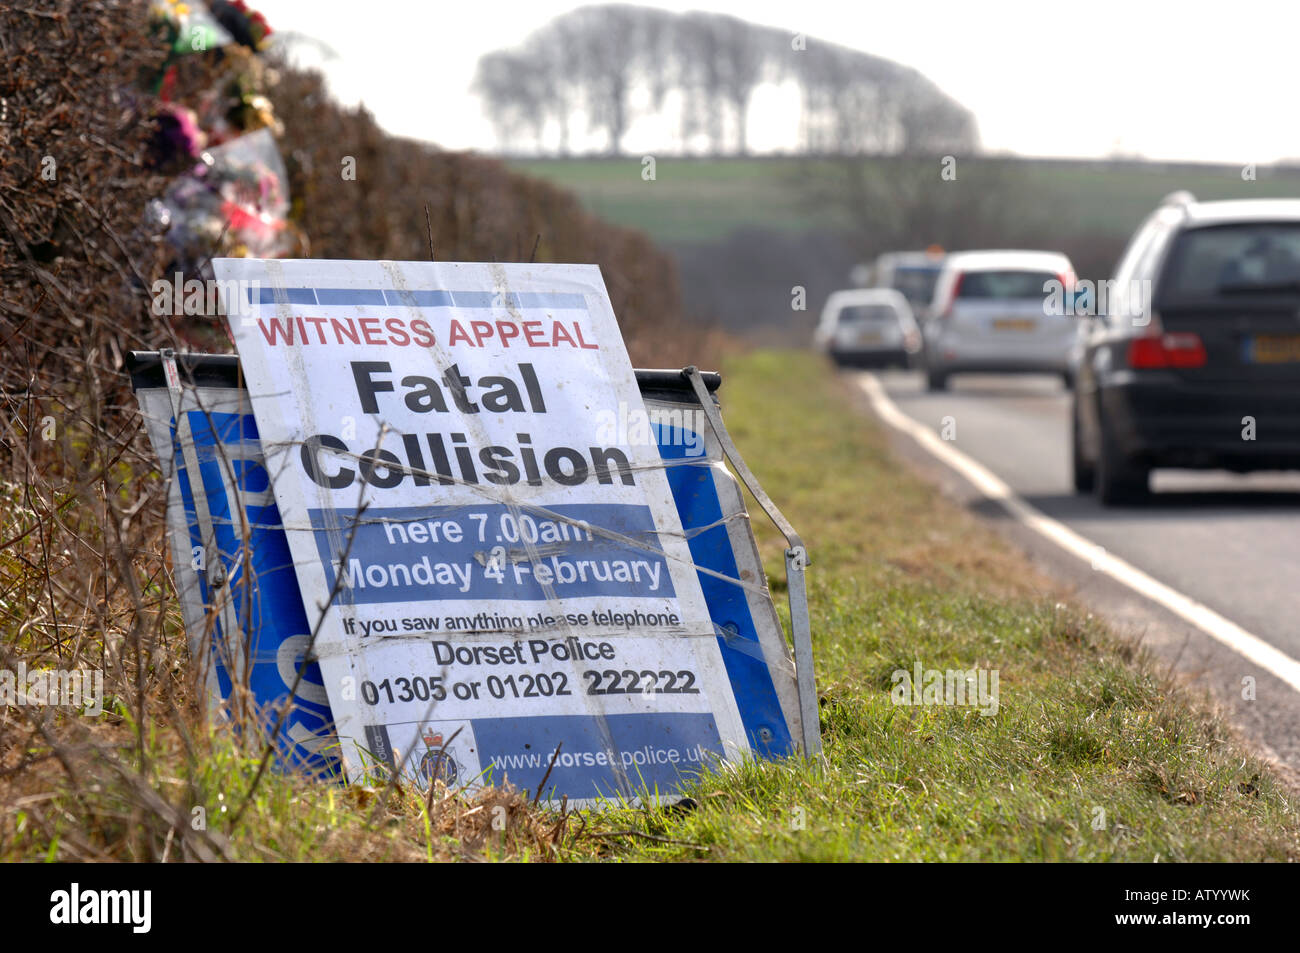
(746, 230)
(702, 199)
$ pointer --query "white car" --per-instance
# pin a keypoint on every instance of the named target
(911, 273)
(868, 327)
(1001, 312)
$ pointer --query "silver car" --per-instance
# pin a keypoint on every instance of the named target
(1001, 312)
(868, 327)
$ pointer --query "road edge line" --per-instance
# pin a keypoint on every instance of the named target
(1224, 631)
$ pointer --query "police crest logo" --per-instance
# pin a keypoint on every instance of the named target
(437, 764)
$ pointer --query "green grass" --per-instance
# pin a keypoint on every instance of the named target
(707, 199)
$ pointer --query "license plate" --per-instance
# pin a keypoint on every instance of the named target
(1273, 349)
(1014, 324)
(869, 337)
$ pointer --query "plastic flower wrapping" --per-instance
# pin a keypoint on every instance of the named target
(232, 203)
(188, 26)
(231, 194)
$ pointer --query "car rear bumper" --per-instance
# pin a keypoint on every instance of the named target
(1167, 422)
(998, 365)
(872, 357)
(957, 353)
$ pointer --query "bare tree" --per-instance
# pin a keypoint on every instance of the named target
(722, 60)
(513, 89)
(559, 91)
(606, 61)
(596, 61)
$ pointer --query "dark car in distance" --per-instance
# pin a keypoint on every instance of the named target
(1194, 362)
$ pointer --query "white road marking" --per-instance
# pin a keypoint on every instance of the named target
(1222, 630)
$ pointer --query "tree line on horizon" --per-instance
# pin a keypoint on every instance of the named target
(596, 70)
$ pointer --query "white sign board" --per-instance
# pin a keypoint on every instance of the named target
(495, 569)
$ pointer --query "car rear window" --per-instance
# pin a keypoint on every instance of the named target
(1260, 257)
(916, 284)
(1005, 284)
(867, 313)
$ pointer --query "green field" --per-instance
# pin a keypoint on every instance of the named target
(701, 200)
(689, 200)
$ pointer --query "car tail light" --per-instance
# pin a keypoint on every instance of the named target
(1183, 349)
(1068, 283)
(946, 311)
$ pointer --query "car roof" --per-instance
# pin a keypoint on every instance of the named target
(997, 259)
(911, 259)
(855, 296)
(1241, 210)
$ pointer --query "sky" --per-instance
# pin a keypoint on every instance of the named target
(1182, 81)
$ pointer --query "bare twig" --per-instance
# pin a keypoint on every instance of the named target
(541, 785)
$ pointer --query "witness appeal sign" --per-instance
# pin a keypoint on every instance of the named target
(497, 574)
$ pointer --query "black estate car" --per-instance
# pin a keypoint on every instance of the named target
(1192, 358)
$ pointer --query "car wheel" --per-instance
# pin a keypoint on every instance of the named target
(1085, 474)
(1118, 479)
(936, 380)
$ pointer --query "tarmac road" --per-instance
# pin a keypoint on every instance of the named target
(1228, 541)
